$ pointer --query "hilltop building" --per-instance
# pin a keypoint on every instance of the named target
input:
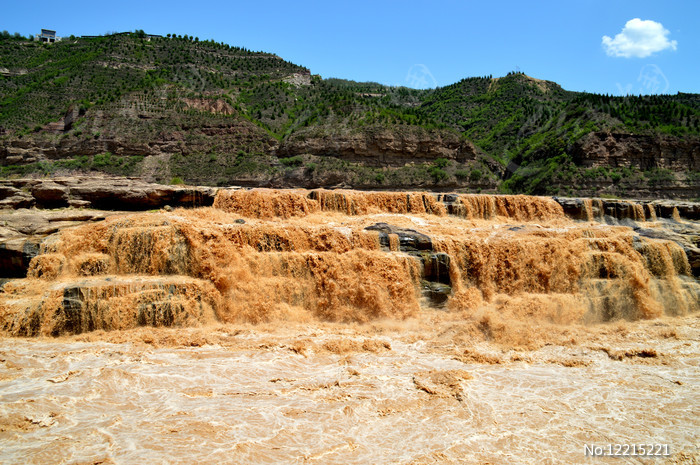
(47, 35)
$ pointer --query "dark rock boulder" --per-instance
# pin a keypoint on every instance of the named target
(669, 209)
(436, 293)
(436, 268)
(612, 209)
(16, 254)
(410, 240)
(23, 231)
(573, 208)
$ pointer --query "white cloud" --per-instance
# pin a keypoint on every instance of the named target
(639, 39)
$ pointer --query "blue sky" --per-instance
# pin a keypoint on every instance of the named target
(422, 44)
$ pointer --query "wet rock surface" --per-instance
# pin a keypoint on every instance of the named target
(685, 235)
(434, 267)
(16, 255)
(410, 240)
(675, 221)
(635, 210)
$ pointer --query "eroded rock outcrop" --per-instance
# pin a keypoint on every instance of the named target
(234, 134)
(611, 210)
(100, 192)
(376, 146)
(645, 152)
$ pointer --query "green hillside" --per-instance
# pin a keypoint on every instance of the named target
(216, 114)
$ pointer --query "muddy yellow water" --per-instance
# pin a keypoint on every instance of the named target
(389, 393)
(348, 327)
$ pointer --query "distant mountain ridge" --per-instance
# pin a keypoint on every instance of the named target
(174, 109)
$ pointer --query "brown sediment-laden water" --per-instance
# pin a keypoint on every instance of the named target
(292, 326)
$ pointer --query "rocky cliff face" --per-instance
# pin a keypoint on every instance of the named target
(608, 149)
(373, 157)
(237, 152)
(229, 136)
(381, 146)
